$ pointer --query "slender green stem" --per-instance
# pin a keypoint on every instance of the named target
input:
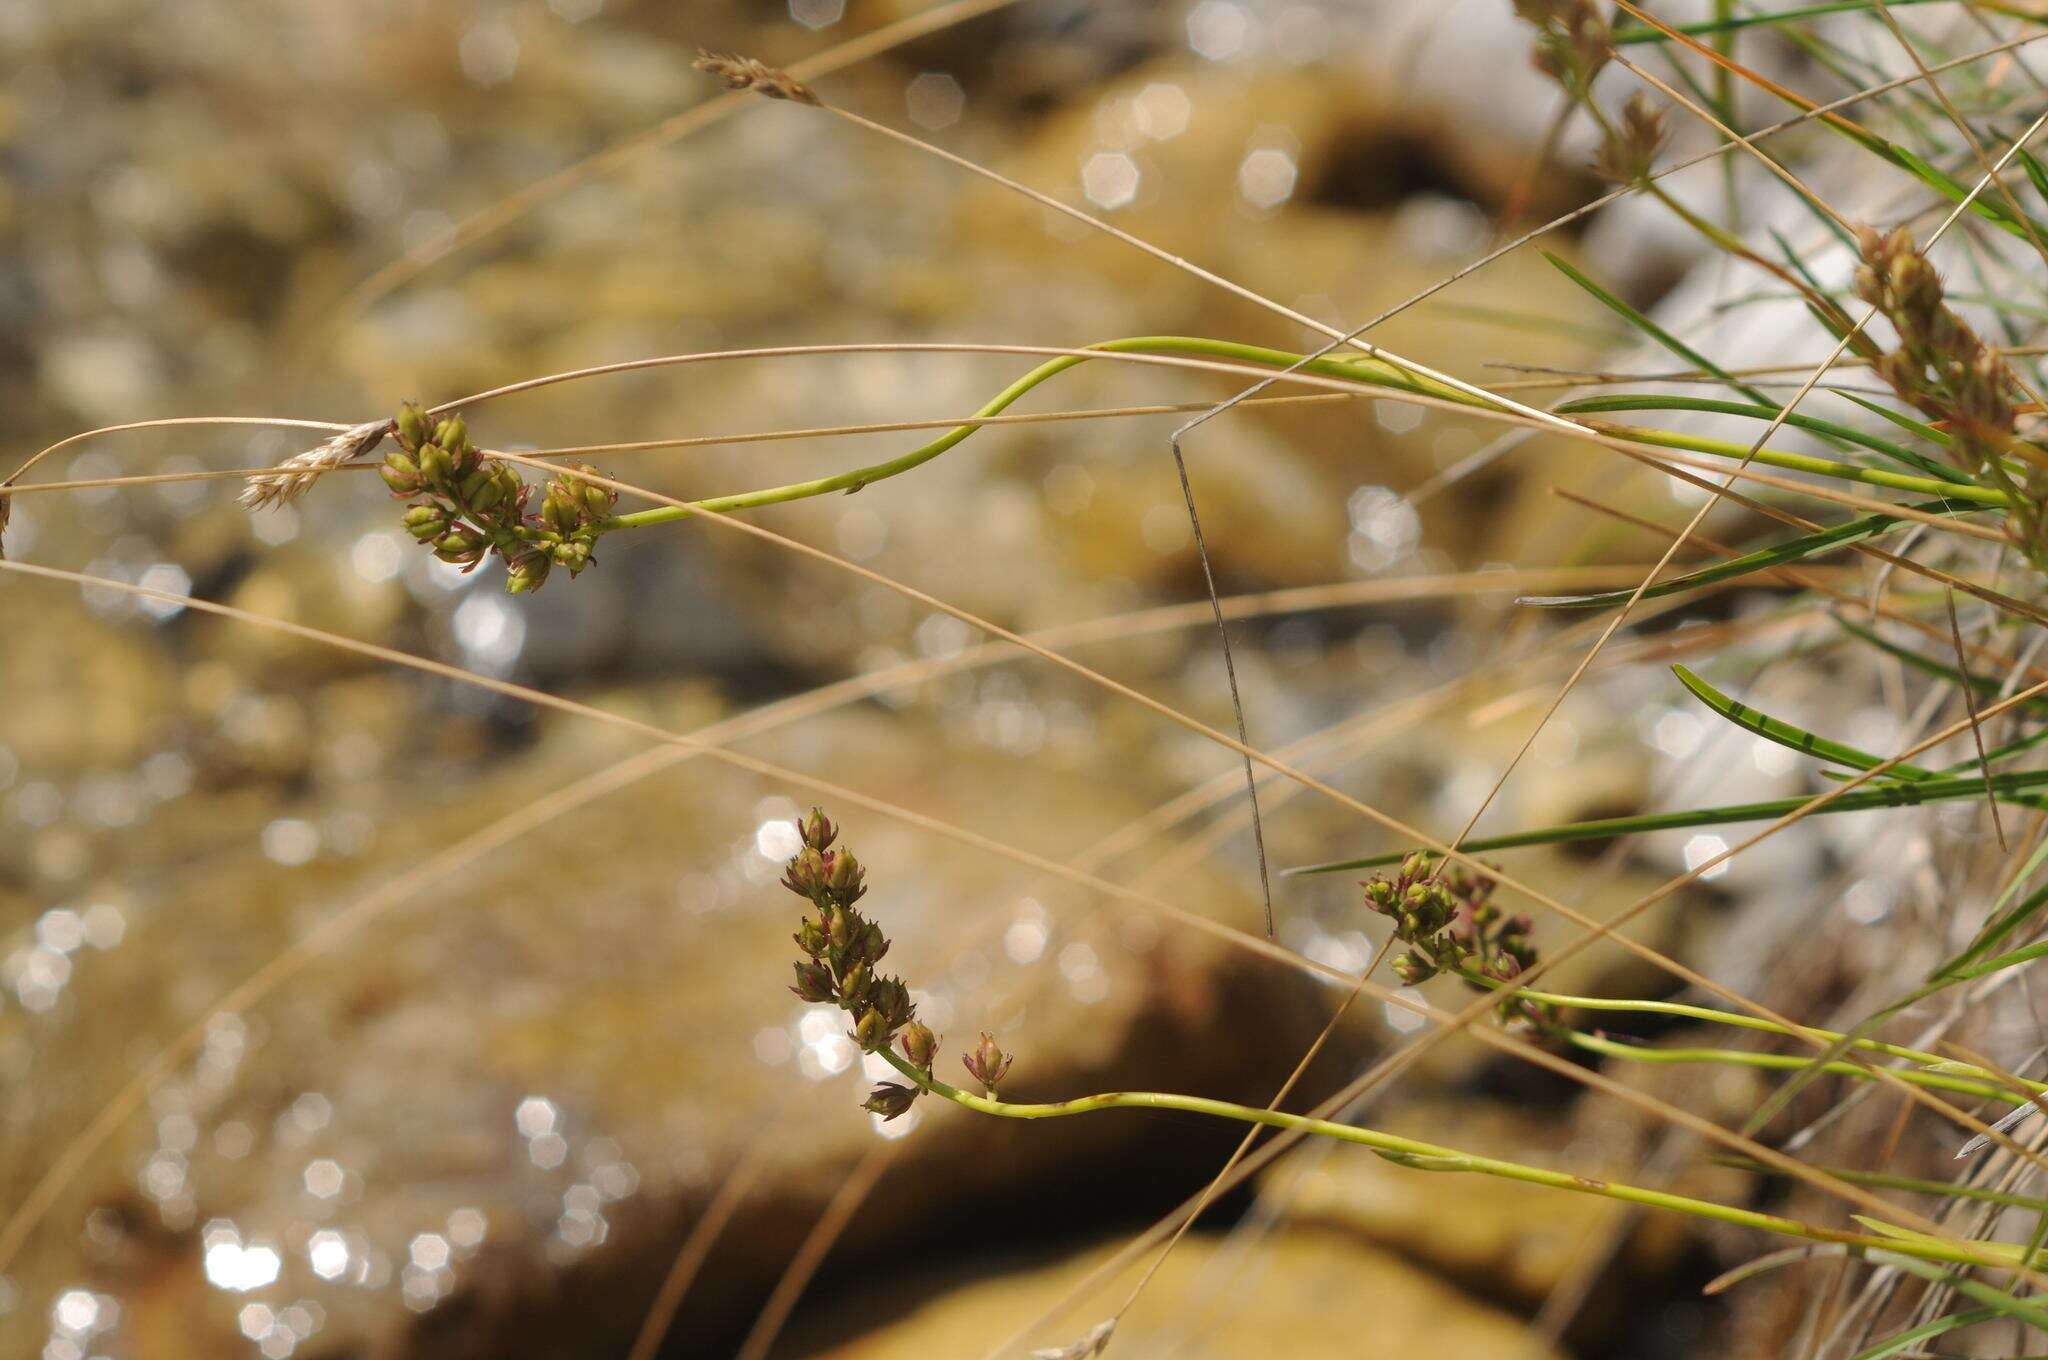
(1371, 372)
(1825, 467)
(1730, 1057)
(1883, 1180)
(1642, 34)
(1422, 1156)
(1737, 1021)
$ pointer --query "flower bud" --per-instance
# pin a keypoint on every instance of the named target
(870, 1032)
(843, 877)
(817, 830)
(526, 573)
(1412, 968)
(571, 556)
(813, 981)
(890, 1099)
(853, 988)
(426, 522)
(400, 473)
(987, 1063)
(412, 426)
(919, 1045)
(435, 464)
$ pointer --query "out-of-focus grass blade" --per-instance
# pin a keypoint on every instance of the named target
(1879, 1180)
(1927, 665)
(1784, 554)
(1656, 332)
(1629, 37)
(1910, 1338)
(2027, 1310)
(2035, 172)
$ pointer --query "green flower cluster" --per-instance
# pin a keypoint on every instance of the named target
(1450, 918)
(465, 506)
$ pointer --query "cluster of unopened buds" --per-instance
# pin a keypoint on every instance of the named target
(1943, 369)
(1452, 924)
(1573, 40)
(841, 948)
(466, 507)
(1629, 149)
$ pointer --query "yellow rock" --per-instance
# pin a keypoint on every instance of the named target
(1304, 1294)
(1522, 1241)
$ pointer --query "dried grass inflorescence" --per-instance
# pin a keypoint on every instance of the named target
(747, 73)
(1454, 926)
(466, 506)
(297, 474)
(1944, 370)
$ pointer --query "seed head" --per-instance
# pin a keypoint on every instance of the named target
(1630, 149)
(298, 473)
(747, 73)
(1572, 40)
(1091, 1343)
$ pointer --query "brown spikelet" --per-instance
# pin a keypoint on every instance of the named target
(298, 472)
(6, 510)
(747, 73)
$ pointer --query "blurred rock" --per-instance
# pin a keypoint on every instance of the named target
(1298, 1292)
(530, 1082)
(1512, 1242)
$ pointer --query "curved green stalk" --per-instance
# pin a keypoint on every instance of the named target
(1422, 1156)
(1371, 372)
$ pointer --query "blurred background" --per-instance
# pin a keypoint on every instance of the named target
(482, 1112)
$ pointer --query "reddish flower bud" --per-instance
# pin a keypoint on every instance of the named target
(890, 1099)
(813, 982)
(987, 1064)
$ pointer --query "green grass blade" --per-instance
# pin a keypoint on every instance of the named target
(1904, 422)
(1785, 734)
(1627, 401)
(1906, 794)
